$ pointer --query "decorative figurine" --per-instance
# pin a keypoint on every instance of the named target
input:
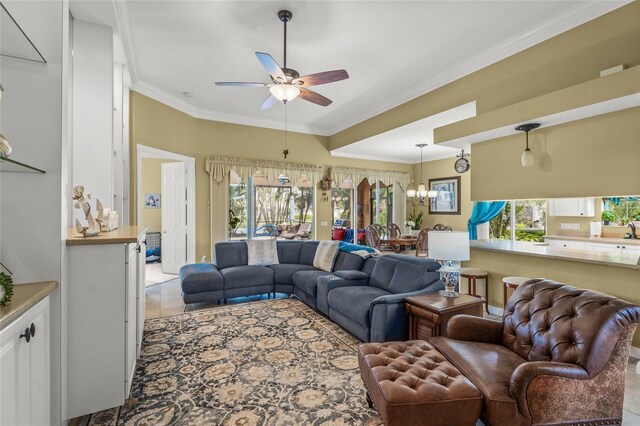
(81, 201)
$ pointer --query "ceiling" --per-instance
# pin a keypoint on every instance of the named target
(393, 50)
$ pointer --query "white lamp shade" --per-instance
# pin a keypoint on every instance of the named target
(411, 193)
(527, 158)
(432, 194)
(449, 245)
(284, 92)
(422, 189)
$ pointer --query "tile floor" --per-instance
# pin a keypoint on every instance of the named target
(164, 300)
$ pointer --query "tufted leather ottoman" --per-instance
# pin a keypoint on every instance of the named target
(411, 383)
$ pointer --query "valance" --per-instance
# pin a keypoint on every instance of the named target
(219, 167)
(355, 175)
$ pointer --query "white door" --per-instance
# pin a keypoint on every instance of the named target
(174, 217)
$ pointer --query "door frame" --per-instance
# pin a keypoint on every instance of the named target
(144, 151)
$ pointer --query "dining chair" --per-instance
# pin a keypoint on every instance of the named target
(422, 243)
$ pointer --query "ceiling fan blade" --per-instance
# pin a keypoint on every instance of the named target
(322, 78)
(316, 98)
(271, 66)
(269, 102)
(241, 84)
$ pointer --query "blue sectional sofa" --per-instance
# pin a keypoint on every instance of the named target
(364, 296)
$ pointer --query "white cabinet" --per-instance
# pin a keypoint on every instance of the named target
(571, 207)
(614, 248)
(564, 243)
(24, 369)
(105, 323)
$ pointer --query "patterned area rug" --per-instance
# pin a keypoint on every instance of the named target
(273, 362)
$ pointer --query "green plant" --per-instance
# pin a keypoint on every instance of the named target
(608, 216)
(6, 282)
(416, 219)
(234, 221)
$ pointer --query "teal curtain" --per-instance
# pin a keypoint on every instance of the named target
(483, 212)
(616, 200)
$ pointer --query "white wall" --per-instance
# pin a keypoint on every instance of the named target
(32, 113)
(93, 111)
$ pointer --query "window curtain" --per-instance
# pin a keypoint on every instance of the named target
(483, 211)
(355, 176)
(616, 200)
(219, 168)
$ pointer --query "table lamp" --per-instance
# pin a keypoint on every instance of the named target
(449, 246)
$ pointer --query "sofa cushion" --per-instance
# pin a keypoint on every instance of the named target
(346, 261)
(262, 252)
(199, 277)
(489, 367)
(289, 251)
(308, 252)
(246, 276)
(383, 272)
(230, 253)
(307, 280)
(325, 255)
(284, 272)
(354, 302)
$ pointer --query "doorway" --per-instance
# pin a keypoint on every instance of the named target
(166, 205)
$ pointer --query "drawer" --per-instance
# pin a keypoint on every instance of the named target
(423, 313)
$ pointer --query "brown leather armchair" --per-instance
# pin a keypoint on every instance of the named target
(558, 356)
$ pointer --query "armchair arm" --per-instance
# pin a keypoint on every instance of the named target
(352, 275)
(475, 329)
(388, 317)
(327, 283)
(562, 382)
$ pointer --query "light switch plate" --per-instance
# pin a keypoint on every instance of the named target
(570, 226)
(324, 223)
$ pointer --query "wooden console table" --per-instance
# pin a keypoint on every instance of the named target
(430, 313)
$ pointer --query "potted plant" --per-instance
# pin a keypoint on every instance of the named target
(234, 221)
(6, 288)
(608, 216)
(416, 219)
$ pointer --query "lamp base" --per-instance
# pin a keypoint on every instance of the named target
(450, 276)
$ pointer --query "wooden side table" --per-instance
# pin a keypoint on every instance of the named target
(429, 314)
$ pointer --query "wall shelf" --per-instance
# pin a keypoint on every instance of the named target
(8, 165)
(603, 95)
(15, 42)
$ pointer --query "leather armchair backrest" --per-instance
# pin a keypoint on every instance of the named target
(548, 321)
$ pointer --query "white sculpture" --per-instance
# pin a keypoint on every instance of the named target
(81, 201)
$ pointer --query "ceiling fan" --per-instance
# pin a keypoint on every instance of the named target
(286, 82)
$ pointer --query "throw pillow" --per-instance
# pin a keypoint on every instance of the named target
(262, 252)
(326, 254)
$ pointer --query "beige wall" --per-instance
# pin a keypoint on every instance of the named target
(620, 282)
(152, 184)
(160, 126)
(442, 169)
(586, 158)
(573, 57)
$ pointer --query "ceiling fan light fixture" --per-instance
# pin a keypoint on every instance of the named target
(284, 92)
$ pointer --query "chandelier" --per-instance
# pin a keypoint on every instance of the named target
(420, 197)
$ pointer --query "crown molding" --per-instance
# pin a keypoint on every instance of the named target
(578, 15)
(122, 21)
(205, 114)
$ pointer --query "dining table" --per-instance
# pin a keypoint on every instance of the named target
(398, 244)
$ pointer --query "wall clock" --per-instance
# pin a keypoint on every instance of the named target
(462, 164)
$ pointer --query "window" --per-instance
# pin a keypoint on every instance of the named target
(520, 220)
(625, 209)
(341, 205)
(382, 204)
(238, 214)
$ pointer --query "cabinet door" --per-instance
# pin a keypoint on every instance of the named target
(14, 376)
(607, 248)
(571, 207)
(39, 370)
(131, 320)
(630, 249)
(141, 293)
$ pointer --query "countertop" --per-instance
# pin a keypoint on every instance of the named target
(24, 297)
(603, 240)
(576, 255)
(124, 234)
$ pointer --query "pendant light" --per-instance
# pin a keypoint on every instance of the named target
(420, 196)
(527, 156)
